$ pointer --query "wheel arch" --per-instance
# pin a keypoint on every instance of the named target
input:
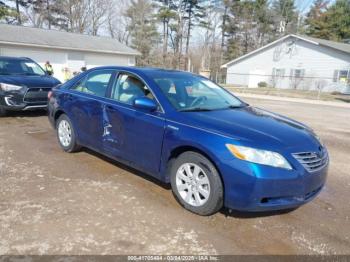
(57, 114)
(177, 151)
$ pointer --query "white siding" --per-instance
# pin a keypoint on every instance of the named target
(93, 60)
(318, 63)
(61, 59)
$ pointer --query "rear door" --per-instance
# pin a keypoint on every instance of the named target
(86, 99)
(133, 134)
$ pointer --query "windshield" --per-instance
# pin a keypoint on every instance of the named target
(19, 67)
(194, 93)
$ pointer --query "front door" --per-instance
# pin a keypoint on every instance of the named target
(133, 134)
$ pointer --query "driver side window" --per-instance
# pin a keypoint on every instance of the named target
(127, 88)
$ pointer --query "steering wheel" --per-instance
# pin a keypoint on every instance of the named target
(198, 101)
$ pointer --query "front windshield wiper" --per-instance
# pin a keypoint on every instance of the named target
(195, 109)
(236, 107)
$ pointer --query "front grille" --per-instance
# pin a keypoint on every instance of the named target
(35, 95)
(312, 161)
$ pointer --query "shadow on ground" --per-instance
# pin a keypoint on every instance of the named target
(225, 211)
(36, 113)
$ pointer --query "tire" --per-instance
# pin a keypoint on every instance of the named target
(2, 111)
(203, 193)
(66, 134)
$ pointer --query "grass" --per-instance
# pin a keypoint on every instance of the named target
(305, 94)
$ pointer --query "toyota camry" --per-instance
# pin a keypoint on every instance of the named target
(214, 149)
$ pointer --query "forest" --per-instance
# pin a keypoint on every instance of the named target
(192, 35)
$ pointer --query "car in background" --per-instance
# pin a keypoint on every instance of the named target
(214, 149)
(24, 85)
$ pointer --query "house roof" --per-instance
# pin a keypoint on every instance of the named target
(29, 36)
(316, 41)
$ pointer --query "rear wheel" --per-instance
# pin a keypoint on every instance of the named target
(196, 184)
(66, 134)
(2, 111)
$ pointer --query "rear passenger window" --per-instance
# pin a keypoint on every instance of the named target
(95, 83)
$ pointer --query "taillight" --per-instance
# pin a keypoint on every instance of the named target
(49, 95)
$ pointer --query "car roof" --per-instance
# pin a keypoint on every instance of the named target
(150, 71)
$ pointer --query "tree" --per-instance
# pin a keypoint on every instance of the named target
(263, 18)
(316, 22)
(329, 22)
(97, 14)
(338, 18)
(7, 14)
(286, 16)
(75, 17)
(165, 14)
(117, 22)
(194, 16)
(142, 29)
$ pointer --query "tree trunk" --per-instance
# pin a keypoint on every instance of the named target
(188, 38)
(48, 13)
(165, 43)
(18, 13)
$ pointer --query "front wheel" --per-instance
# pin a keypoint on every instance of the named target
(196, 184)
(66, 134)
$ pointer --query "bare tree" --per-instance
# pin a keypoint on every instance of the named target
(117, 24)
(97, 13)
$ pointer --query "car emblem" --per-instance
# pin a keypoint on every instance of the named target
(40, 90)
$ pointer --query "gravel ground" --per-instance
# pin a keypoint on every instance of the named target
(52, 202)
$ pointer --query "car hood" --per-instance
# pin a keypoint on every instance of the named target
(250, 125)
(30, 81)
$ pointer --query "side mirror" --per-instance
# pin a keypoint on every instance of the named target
(145, 103)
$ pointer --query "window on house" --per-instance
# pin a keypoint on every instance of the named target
(278, 72)
(297, 73)
(131, 61)
(342, 76)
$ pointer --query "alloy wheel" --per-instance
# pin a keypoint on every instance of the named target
(193, 184)
(65, 133)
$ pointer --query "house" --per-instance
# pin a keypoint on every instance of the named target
(67, 52)
(294, 62)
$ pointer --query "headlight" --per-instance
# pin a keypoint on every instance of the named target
(259, 156)
(9, 87)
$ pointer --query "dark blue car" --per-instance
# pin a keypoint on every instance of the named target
(24, 85)
(183, 129)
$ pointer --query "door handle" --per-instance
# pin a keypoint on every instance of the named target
(110, 108)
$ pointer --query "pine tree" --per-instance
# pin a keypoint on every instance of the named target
(338, 19)
(316, 21)
(194, 16)
(286, 16)
(142, 27)
(332, 22)
(165, 14)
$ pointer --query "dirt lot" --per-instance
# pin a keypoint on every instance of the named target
(52, 202)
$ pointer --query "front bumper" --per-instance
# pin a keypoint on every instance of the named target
(253, 187)
(28, 99)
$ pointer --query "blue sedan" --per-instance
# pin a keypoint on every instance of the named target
(214, 149)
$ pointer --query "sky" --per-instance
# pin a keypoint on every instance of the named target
(304, 5)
